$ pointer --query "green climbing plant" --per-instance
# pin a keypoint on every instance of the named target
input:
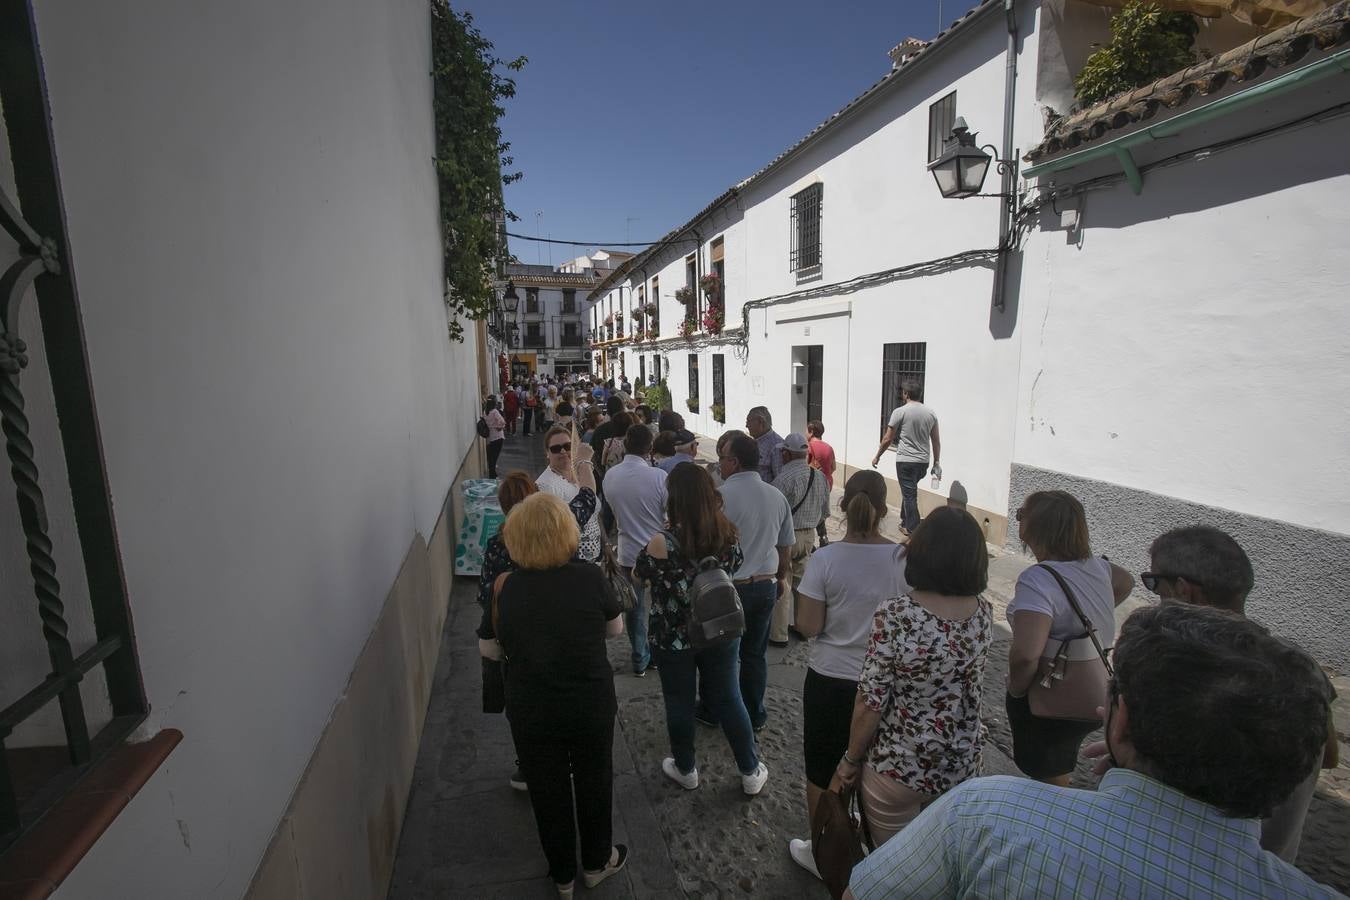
(1147, 43)
(657, 396)
(472, 164)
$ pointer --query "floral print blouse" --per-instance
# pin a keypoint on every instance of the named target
(668, 625)
(924, 674)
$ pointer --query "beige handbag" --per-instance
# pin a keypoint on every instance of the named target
(1067, 688)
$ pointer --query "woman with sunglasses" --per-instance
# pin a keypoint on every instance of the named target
(561, 479)
(1048, 632)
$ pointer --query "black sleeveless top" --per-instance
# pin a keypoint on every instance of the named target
(552, 629)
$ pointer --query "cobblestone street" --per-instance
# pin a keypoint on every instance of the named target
(468, 834)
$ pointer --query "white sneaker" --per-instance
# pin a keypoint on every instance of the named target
(688, 782)
(753, 783)
(802, 854)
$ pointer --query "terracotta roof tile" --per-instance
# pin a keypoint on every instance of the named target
(1282, 47)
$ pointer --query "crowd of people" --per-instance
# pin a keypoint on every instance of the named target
(1215, 730)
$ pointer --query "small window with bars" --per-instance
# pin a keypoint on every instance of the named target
(806, 229)
(693, 376)
(531, 300)
(569, 304)
(719, 379)
(941, 117)
(899, 363)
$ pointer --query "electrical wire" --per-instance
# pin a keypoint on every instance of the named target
(740, 338)
(526, 237)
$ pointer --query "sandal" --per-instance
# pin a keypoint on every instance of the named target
(617, 858)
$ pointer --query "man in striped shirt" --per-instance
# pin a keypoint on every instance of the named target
(1210, 722)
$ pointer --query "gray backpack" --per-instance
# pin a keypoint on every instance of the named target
(716, 616)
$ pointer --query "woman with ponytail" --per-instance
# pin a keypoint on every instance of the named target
(840, 591)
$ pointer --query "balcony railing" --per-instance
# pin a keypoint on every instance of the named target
(535, 341)
(571, 340)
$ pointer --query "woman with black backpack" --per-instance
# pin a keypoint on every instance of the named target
(678, 563)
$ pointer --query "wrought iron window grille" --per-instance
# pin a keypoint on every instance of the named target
(898, 363)
(35, 221)
(805, 213)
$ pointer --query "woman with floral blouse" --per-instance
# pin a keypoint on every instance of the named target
(698, 530)
(916, 728)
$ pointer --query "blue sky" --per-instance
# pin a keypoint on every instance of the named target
(649, 110)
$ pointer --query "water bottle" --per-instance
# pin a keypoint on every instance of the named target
(936, 483)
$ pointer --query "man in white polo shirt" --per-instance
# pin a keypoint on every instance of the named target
(761, 514)
(635, 492)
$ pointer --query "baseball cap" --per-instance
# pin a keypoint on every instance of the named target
(684, 437)
(794, 443)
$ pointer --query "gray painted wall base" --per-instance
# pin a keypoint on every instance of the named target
(1302, 574)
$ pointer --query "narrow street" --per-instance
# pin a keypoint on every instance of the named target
(468, 834)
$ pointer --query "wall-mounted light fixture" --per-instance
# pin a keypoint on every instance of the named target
(510, 299)
(961, 169)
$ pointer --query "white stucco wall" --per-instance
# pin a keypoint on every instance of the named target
(881, 209)
(253, 219)
(1189, 341)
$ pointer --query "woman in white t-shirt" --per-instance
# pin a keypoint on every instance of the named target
(559, 480)
(1053, 526)
(840, 591)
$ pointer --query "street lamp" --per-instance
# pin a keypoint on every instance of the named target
(510, 299)
(962, 167)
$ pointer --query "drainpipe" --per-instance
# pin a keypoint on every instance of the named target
(698, 274)
(1009, 154)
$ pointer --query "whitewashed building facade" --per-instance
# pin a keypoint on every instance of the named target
(1165, 354)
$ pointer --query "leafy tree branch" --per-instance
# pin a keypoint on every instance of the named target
(472, 161)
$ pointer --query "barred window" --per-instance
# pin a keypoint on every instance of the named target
(806, 228)
(693, 376)
(941, 117)
(899, 362)
(719, 379)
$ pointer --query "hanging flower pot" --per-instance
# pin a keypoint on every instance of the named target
(650, 309)
(685, 295)
(711, 285)
(714, 317)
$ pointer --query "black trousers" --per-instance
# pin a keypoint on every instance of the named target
(494, 450)
(553, 760)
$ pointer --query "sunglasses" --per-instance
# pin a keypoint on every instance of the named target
(1151, 580)
(561, 448)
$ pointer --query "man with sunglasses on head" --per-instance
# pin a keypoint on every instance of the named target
(1202, 747)
(1204, 566)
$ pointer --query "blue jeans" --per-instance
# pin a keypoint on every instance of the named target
(908, 474)
(712, 669)
(635, 620)
(757, 598)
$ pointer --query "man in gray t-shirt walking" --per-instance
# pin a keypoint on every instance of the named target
(912, 428)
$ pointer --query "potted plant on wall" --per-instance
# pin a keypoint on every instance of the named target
(711, 285)
(692, 403)
(688, 328)
(719, 413)
(713, 318)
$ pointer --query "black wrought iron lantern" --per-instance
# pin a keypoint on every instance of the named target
(962, 167)
(510, 299)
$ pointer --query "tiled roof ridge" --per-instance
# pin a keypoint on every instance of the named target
(1277, 49)
(938, 40)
